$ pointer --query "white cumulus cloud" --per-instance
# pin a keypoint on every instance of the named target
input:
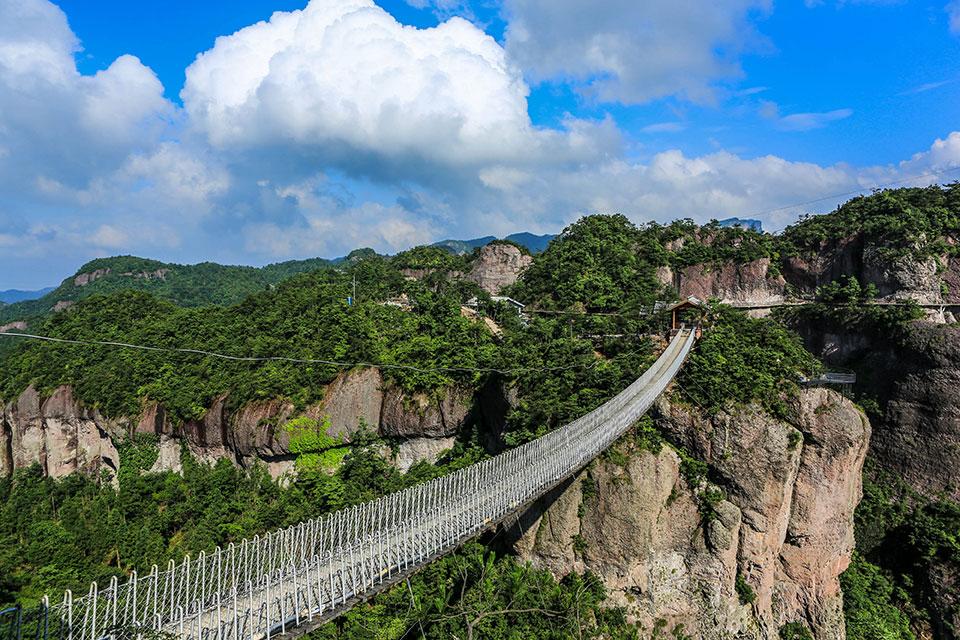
(341, 82)
(56, 122)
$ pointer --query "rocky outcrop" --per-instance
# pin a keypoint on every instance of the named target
(497, 266)
(353, 401)
(83, 279)
(19, 325)
(410, 452)
(420, 415)
(903, 277)
(749, 282)
(913, 376)
(158, 274)
(638, 527)
(832, 260)
(785, 526)
(58, 434)
(64, 437)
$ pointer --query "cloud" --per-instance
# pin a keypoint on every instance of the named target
(664, 127)
(808, 121)
(342, 83)
(923, 88)
(953, 15)
(801, 121)
(633, 52)
(57, 123)
(673, 185)
(335, 127)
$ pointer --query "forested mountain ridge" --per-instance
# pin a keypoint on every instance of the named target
(149, 418)
(206, 283)
(184, 285)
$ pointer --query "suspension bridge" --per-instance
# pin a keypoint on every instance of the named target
(288, 582)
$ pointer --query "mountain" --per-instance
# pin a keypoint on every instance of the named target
(742, 484)
(533, 243)
(192, 285)
(11, 296)
(463, 247)
(744, 223)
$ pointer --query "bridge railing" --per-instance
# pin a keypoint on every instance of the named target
(264, 584)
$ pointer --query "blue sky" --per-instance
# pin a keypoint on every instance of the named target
(358, 124)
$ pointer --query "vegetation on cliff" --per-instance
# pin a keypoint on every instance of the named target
(741, 360)
(846, 304)
(600, 263)
(305, 318)
(904, 581)
(918, 222)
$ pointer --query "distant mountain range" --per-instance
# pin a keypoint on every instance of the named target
(11, 296)
(533, 242)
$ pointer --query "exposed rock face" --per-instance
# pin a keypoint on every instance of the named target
(819, 540)
(63, 437)
(255, 432)
(158, 274)
(498, 266)
(951, 278)
(56, 433)
(903, 277)
(62, 305)
(19, 325)
(750, 282)
(415, 450)
(786, 525)
(640, 532)
(915, 380)
(353, 400)
(419, 415)
(83, 279)
(830, 262)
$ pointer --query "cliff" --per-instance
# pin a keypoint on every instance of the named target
(752, 283)
(914, 378)
(498, 266)
(679, 557)
(64, 437)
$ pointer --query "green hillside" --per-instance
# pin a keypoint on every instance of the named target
(194, 285)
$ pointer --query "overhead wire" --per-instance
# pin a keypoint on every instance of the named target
(258, 359)
(883, 185)
(340, 364)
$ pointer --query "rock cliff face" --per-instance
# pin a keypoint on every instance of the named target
(19, 325)
(83, 279)
(64, 437)
(785, 527)
(915, 381)
(57, 434)
(934, 280)
(749, 283)
(498, 266)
